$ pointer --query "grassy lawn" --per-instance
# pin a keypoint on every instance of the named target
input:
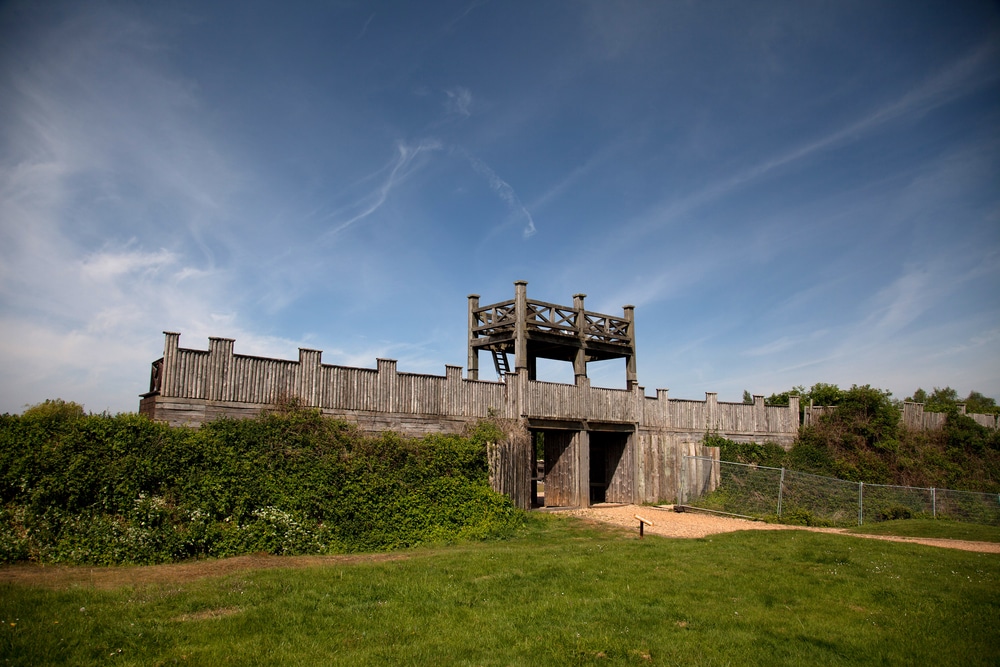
(941, 528)
(564, 592)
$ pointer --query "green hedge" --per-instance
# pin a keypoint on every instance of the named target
(859, 442)
(112, 490)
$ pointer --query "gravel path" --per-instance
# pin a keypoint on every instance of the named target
(668, 523)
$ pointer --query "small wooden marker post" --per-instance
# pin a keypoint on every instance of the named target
(642, 523)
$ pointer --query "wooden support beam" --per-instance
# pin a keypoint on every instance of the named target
(580, 360)
(631, 377)
(521, 326)
(583, 468)
(473, 351)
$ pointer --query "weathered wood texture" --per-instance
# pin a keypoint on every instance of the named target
(197, 385)
(532, 330)
(561, 468)
(191, 387)
(620, 462)
(660, 457)
(699, 471)
(912, 416)
(511, 463)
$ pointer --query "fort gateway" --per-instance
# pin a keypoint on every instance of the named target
(600, 445)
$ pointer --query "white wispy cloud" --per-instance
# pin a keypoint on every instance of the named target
(459, 102)
(919, 290)
(969, 74)
(107, 175)
(503, 190)
(779, 345)
(108, 266)
(609, 151)
(401, 166)
(364, 28)
(475, 4)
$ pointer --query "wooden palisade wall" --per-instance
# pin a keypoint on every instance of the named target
(191, 387)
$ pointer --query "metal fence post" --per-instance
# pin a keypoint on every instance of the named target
(746, 492)
(861, 503)
(781, 485)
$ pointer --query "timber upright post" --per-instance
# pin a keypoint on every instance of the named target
(580, 376)
(521, 329)
(168, 375)
(531, 330)
(473, 351)
(631, 377)
(583, 468)
(580, 360)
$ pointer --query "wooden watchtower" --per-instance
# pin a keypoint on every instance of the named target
(531, 330)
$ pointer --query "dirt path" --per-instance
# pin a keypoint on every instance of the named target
(67, 576)
(668, 523)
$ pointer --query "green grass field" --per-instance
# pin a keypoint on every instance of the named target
(563, 592)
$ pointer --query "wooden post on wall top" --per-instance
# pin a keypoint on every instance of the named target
(168, 374)
(580, 361)
(793, 413)
(631, 377)
(386, 385)
(711, 411)
(759, 414)
(521, 326)
(473, 352)
(308, 376)
(220, 355)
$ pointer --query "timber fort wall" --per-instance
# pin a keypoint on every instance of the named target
(600, 444)
(190, 387)
(614, 445)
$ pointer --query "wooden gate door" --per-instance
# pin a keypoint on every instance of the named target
(560, 469)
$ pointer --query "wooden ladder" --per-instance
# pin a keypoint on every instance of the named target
(500, 362)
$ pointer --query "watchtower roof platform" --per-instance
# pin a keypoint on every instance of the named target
(531, 330)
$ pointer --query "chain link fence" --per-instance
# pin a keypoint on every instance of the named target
(798, 497)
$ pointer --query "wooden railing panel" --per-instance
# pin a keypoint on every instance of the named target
(553, 318)
(480, 399)
(606, 328)
(192, 371)
(688, 415)
(615, 405)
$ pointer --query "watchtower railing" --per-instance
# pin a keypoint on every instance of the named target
(495, 318)
(550, 317)
(607, 329)
(500, 318)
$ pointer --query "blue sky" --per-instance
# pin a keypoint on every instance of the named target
(788, 192)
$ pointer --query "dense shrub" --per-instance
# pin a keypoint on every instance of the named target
(103, 489)
(55, 409)
(802, 517)
(862, 440)
(768, 454)
(894, 513)
(964, 433)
